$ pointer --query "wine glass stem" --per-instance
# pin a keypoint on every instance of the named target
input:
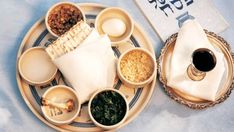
(195, 74)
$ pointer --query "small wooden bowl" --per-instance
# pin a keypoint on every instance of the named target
(115, 12)
(135, 84)
(36, 67)
(61, 93)
(56, 5)
(106, 127)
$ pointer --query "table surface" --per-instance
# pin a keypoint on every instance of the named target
(161, 114)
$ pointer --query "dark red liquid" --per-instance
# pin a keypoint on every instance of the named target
(204, 60)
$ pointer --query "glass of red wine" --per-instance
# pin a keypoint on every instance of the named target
(203, 61)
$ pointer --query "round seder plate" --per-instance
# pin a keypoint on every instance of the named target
(38, 35)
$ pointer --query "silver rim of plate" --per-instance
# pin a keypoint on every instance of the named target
(195, 103)
(38, 35)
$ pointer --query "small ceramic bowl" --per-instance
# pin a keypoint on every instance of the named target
(115, 12)
(152, 67)
(54, 7)
(36, 67)
(60, 94)
(108, 127)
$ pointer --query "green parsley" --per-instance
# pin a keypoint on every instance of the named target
(108, 108)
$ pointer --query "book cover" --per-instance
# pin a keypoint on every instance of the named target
(166, 16)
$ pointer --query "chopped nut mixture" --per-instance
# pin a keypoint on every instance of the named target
(63, 17)
(136, 66)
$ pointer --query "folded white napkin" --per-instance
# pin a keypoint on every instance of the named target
(91, 66)
(191, 37)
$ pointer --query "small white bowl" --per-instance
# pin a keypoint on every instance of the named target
(61, 93)
(108, 127)
(132, 84)
(59, 4)
(115, 12)
(36, 67)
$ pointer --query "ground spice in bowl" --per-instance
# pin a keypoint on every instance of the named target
(62, 17)
(136, 66)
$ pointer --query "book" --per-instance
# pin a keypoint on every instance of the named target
(166, 16)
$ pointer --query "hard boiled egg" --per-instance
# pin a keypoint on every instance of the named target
(114, 27)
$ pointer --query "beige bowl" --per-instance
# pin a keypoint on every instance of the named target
(107, 127)
(115, 12)
(36, 67)
(60, 94)
(56, 5)
(149, 75)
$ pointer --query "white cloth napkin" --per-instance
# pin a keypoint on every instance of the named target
(191, 37)
(91, 66)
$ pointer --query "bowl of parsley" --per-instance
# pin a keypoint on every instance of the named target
(108, 108)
